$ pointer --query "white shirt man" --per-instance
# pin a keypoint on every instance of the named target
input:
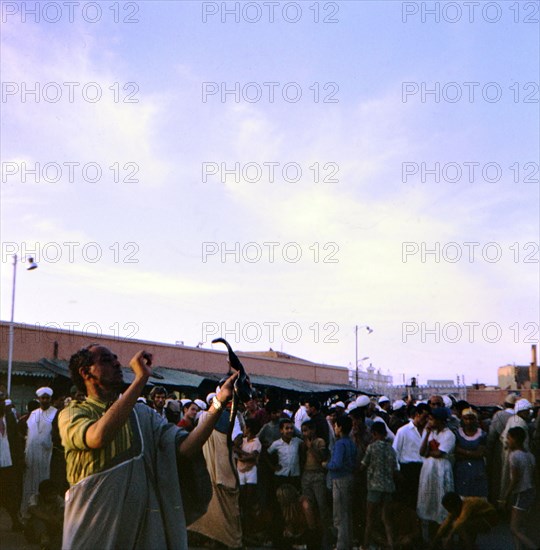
(407, 446)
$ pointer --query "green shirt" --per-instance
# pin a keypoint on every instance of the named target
(81, 461)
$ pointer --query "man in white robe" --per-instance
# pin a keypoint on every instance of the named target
(38, 446)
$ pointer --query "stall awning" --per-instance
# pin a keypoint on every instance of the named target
(299, 386)
(22, 368)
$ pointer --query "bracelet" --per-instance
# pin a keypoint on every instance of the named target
(217, 404)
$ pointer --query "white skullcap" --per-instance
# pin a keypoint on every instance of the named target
(362, 401)
(185, 401)
(201, 404)
(9, 402)
(383, 399)
(339, 404)
(522, 405)
(352, 406)
(447, 401)
(209, 397)
(141, 399)
(287, 412)
(399, 404)
(45, 390)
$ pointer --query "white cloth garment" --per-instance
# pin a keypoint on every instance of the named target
(38, 452)
(436, 479)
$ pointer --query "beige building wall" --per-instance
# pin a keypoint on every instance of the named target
(507, 377)
(32, 343)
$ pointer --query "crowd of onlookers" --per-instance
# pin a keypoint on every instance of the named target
(360, 472)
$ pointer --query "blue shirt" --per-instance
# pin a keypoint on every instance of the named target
(343, 458)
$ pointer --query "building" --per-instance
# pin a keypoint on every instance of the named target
(519, 377)
(40, 355)
(371, 380)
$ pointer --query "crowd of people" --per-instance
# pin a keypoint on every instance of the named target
(160, 471)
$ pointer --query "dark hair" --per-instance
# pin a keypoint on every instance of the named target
(345, 423)
(518, 434)
(315, 403)
(309, 424)
(253, 425)
(187, 405)
(462, 404)
(378, 428)
(283, 421)
(273, 407)
(84, 358)
(157, 389)
(451, 500)
(422, 407)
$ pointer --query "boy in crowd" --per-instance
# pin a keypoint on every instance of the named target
(287, 472)
(341, 468)
(313, 452)
(381, 463)
(287, 449)
(248, 456)
(45, 516)
(521, 490)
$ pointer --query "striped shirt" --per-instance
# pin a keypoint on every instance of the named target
(81, 461)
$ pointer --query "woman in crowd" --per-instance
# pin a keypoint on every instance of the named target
(470, 476)
(436, 477)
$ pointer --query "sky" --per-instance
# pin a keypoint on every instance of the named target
(278, 173)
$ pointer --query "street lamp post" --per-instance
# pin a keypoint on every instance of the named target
(356, 328)
(33, 265)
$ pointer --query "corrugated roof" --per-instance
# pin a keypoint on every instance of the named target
(300, 386)
(171, 377)
(25, 368)
(174, 377)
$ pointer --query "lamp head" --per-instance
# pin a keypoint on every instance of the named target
(33, 265)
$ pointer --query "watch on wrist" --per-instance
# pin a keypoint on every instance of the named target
(217, 404)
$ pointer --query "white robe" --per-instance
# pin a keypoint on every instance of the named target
(436, 479)
(38, 452)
